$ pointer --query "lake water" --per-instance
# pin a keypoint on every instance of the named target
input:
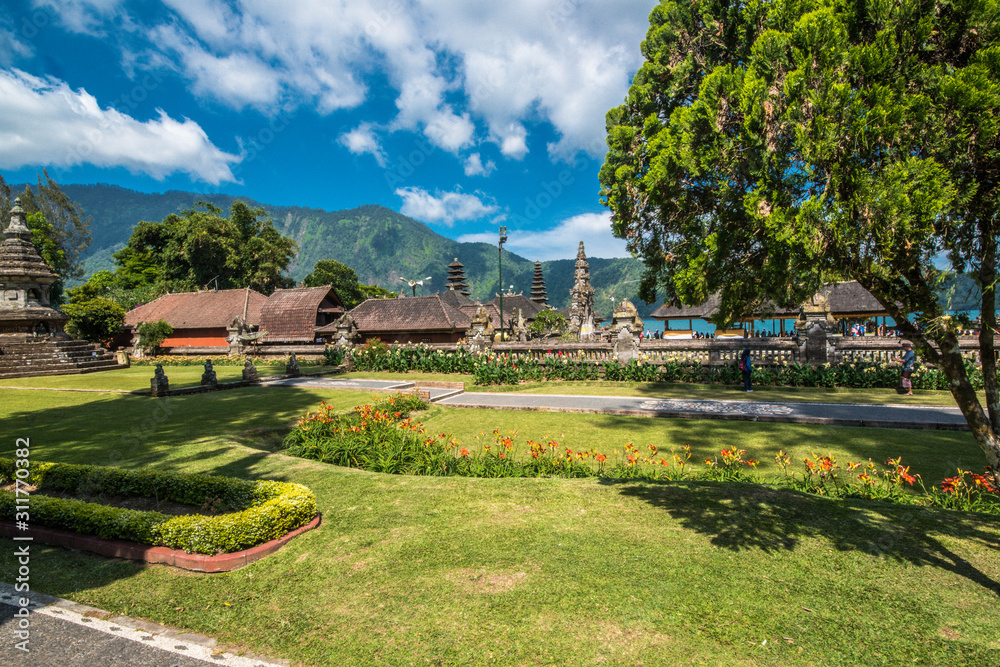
(772, 326)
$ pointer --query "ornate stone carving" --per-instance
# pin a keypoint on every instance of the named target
(208, 378)
(292, 367)
(481, 331)
(626, 316)
(25, 283)
(581, 314)
(346, 332)
(159, 384)
(250, 372)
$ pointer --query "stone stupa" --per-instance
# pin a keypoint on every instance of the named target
(32, 340)
(25, 283)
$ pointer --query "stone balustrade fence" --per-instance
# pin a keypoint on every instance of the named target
(719, 351)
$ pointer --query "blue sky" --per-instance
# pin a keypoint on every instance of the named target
(465, 115)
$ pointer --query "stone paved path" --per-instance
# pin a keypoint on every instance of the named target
(839, 414)
(67, 634)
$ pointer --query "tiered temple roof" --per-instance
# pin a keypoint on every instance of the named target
(25, 282)
(456, 278)
(538, 294)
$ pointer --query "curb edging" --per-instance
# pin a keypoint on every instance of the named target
(150, 554)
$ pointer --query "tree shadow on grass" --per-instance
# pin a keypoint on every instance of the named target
(741, 517)
(135, 431)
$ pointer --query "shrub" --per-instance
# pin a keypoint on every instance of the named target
(152, 334)
(334, 356)
(265, 510)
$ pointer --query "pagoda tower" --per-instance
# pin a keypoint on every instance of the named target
(581, 314)
(538, 294)
(456, 278)
(25, 282)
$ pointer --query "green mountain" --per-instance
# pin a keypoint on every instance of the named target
(381, 245)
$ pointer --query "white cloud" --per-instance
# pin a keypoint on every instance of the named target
(47, 123)
(460, 70)
(444, 208)
(562, 241)
(362, 140)
(12, 47)
(474, 166)
(85, 16)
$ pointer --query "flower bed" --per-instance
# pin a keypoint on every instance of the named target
(496, 369)
(262, 510)
(383, 437)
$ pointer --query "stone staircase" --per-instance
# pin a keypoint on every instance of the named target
(53, 357)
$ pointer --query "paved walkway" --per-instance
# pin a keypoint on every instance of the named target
(837, 414)
(67, 634)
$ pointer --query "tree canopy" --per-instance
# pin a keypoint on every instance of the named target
(345, 282)
(766, 147)
(199, 248)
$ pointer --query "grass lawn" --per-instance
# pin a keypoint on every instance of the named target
(458, 571)
(682, 390)
(138, 377)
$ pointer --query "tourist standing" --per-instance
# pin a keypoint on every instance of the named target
(746, 365)
(909, 363)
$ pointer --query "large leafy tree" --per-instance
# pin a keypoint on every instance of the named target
(345, 283)
(768, 146)
(342, 277)
(199, 248)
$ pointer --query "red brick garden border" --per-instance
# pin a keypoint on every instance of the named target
(150, 554)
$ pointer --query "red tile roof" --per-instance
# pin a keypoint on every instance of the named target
(293, 314)
(409, 314)
(200, 310)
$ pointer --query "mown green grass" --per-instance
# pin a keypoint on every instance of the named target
(138, 377)
(410, 570)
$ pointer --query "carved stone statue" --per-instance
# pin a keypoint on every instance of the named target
(480, 334)
(250, 372)
(208, 378)
(159, 385)
(292, 367)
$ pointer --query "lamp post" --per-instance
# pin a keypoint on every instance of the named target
(503, 239)
(413, 283)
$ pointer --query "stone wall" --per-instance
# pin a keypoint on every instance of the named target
(718, 351)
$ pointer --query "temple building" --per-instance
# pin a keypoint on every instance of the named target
(26, 279)
(32, 340)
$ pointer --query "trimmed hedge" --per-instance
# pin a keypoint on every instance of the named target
(264, 510)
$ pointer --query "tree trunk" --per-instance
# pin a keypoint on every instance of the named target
(950, 361)
(941, 348)
(988, 322)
